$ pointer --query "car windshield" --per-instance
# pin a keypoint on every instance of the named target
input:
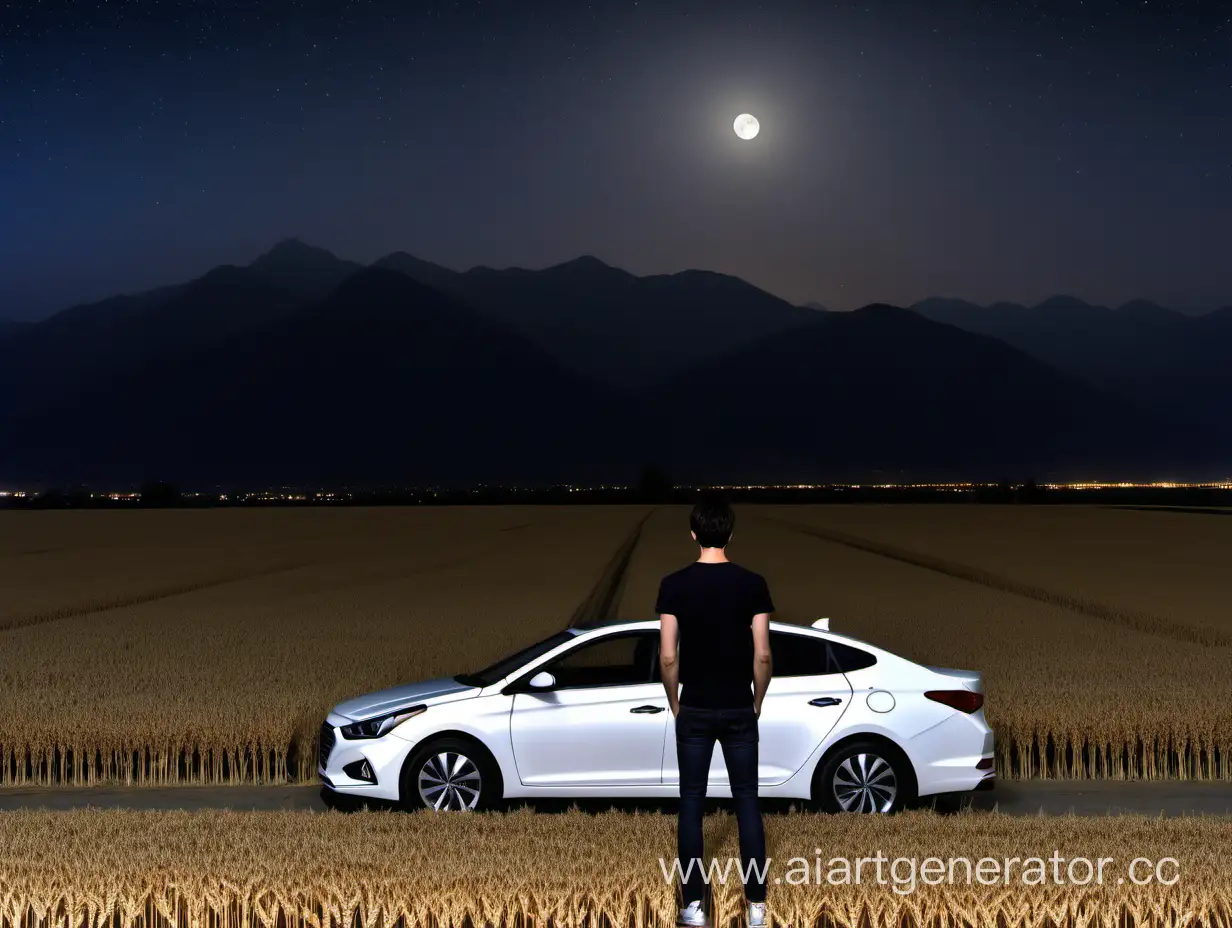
(506, 665)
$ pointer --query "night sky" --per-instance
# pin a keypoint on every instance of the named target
(986, 150)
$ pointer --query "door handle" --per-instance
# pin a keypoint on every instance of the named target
(824, 701)
(648, 710)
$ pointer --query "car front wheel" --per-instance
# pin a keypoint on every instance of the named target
(450, 775)
(863, 777)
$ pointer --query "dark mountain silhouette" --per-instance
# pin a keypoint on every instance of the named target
(884, 391)
(1063, 301)
(434, 275)
(1146, 309)
(384, 381)
(12, 327)
(301, 367)
(113, 308)
(88, 342)
(1160, 359)
(1218, 323)
(608, 324)
(961, 313)
(91, 339)
(812, 304)
(302, 270)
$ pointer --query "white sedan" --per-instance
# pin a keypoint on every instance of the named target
(583, 713)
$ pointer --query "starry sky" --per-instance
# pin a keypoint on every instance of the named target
(985, 149)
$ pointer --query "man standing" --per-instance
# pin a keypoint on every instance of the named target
(715, 644)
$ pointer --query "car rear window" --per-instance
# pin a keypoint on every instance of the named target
(796, 655)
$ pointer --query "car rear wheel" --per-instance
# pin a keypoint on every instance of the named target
(450, 775)
(864, 776)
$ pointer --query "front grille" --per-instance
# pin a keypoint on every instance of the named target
(327, 743)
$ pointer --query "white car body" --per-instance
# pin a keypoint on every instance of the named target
(587, 742)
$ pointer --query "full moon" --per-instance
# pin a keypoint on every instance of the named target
(746, 126)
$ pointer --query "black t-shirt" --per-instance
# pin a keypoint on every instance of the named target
(714, 605)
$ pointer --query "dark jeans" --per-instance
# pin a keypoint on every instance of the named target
(697, 730)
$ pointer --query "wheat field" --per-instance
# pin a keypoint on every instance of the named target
(220, 869)
(228, 682)
(171, 647)
(1069, 695)
(1166, 573)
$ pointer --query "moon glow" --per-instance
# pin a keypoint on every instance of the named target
(746, 126)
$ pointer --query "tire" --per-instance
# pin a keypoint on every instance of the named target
(450, 775)
(866, 777)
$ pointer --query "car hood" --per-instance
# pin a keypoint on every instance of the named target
(399, 697)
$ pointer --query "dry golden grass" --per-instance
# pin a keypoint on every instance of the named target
(220, 869)
(56, 565)
(1158, 571)
(1068, 695)
(230, 683)
(242, 627)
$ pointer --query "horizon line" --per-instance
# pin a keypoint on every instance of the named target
(1189, 311)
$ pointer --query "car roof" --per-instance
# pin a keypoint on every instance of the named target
(601, 626)
(583, 627)
(640, 624)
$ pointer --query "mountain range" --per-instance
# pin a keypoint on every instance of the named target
(301, 367)
(608, 324)
(1174, 364)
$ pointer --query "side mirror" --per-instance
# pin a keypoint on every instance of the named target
(541, 681)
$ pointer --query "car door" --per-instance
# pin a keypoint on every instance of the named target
(602, 724)
(806, 696)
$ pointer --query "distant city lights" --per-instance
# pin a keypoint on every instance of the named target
(290, 495)
(959, 487)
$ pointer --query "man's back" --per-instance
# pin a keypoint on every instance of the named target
(714, 604)
(714, 656)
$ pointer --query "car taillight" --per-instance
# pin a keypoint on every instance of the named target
(962, 700)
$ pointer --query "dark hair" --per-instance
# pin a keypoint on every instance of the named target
(712, 520)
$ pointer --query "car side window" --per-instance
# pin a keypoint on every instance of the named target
(798, 655)
(846, 658)
(806, 656)
(613, 660)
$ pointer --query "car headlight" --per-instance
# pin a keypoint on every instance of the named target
(374, 728)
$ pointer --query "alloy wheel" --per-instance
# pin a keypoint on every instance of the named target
(450, 782)
(865, 782)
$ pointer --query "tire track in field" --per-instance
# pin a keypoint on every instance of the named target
(136, 599)
(28, 552)
(31, 552)
(123, 600)
(600, 602)
(381, 573)
(1144, 622)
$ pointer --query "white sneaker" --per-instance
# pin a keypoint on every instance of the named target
(693, 914)
(757, 915)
